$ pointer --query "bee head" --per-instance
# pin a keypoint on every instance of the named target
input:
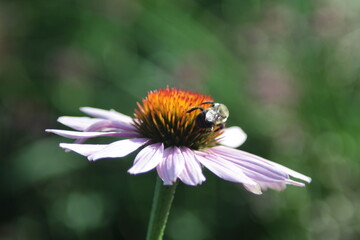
(222, 111)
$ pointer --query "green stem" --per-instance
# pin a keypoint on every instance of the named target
(163, 197)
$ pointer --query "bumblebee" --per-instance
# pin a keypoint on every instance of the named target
(212, 117)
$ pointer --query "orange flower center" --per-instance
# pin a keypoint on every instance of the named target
(163, 117)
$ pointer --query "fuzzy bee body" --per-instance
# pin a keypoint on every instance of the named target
(214, 116)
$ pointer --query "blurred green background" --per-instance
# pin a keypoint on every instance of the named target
(287, 70)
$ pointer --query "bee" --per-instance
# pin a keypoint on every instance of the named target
(212, 117)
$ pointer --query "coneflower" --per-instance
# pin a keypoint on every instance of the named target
(166, 127)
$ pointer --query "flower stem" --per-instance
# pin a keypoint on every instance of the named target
(163, 197)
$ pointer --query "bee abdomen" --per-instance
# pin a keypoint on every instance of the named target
(201, 122)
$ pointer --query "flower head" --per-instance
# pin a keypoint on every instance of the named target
(173, 142)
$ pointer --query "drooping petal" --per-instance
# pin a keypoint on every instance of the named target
(233, 137)
(107, 114)
(98, 126)
(161, 168)
(290, 171)
(76, 135)
(127, 126)
(266, 173)
(192, 173)
(295, 183)
(278, 186)
(119, 148)
(83, 149)
(108, 125)
(256, 189)
(224, 169)
(148, 158)
(171, 166)
(251, 165)
(262, 165)
(78, 123)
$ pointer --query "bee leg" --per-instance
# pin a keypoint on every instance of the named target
(220, 127)
(194, 108)
(209, 102)
(206, 131)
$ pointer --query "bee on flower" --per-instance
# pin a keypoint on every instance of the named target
(179, 132)
(214, 116)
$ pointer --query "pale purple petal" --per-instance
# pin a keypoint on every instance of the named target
(103, 125)
(118, 129)
(118, 134)
(224, 169)
(148, 158)
(290, 172)
(76, 135)
(171, 166)
(295, 183)
(119, 148)
(107, 114)
(192, 173)
(279, 186)
(266, 173)
(252, 165)
(253, 159)
(161, 169)
(108, 125)
(233, 137)
(256, 189)
(95, 124)
(83, 149)
(78, 123)
(128, 126)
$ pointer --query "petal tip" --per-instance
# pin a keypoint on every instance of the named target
(132, 171)
(84, 108)
(254, 188)
(64, 146)
(93, 158)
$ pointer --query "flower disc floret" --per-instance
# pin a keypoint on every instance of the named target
(162, 116)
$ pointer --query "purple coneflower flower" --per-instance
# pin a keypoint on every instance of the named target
(174, 144)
